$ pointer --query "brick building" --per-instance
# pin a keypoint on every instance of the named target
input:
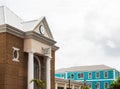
(27, 51)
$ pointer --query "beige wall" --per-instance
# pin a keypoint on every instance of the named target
(31, 45)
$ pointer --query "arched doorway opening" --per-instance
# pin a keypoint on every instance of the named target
(37, 69)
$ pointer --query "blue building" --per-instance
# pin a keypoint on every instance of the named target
(95, 77)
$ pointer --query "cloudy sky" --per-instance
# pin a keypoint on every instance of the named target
(87, 31)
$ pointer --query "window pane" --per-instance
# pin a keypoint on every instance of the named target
(97, 74)
(106, 85)
(90, 75)
(106, 74)
(80, 75)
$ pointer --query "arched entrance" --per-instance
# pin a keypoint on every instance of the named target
(37, 69)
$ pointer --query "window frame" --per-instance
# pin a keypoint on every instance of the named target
(62, 75)
(107, 85)
(99, 74)
(88, 75)
(15, 58)
(104, 74)
(98, 85)
(90, 84)
(81, 73)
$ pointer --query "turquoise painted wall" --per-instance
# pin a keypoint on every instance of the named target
(101, 80)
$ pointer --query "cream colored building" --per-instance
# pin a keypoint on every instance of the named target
(65, 84)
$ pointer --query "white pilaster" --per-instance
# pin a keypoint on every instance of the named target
(30, 69)
(56, 87)
(65, 87)
(114, 74)
(72, 86)
(48, 73)
(66, 75)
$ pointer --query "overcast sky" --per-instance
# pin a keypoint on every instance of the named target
(87, 31)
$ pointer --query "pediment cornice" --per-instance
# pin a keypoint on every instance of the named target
(40, 38)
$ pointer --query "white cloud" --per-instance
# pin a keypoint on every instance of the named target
(87, 31)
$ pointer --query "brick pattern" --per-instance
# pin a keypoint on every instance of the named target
(2, 58)
(13, 75)
(53, 70)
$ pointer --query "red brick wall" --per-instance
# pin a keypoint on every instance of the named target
(53, 70)
(13, 75)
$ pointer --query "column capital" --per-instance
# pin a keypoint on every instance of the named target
(49, 58)
(31, 52)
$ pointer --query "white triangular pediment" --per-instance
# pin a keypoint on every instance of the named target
(43, 29)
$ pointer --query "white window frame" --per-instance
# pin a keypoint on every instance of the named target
(16, 49)
(80, 75)
(98, 85)
(88, 75)
(104, 74)
(96, 74)
(71, 75)
(90, 84)
(107, 85)
(62, 75)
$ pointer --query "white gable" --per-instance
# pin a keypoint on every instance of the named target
(8, 17)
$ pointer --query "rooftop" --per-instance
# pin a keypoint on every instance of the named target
(9, 17)
(84, 68)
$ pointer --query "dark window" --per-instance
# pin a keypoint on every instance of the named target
(97, 74)
(72, 75)
(97, 85)
(62, 75)
(15, 54)
(80, 75)
(105, 74)
(89, 75)
(106, 85)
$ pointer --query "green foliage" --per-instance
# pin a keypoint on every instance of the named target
(38, 83)
(85, 87)
(115, 84)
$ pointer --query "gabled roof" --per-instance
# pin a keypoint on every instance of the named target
(84, 68)
(9, 17)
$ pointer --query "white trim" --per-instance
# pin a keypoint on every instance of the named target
(80, 74)
(36, 57)
(104, 74)
(88, 75)
(96, 74)
(98, 85)
(16, 49)
(30, 70)
(96, 80)
(107, 85)
(65, 86)
(72, 77)
(114, 74)
(66, 74)
(89, 83)
(56, 85)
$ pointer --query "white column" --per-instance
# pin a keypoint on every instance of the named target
(48, 73)
(66, 75)
(30, 69)
(79, 87)
(56, 87)
(114, 74)
(65, 87)
(72, 86)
